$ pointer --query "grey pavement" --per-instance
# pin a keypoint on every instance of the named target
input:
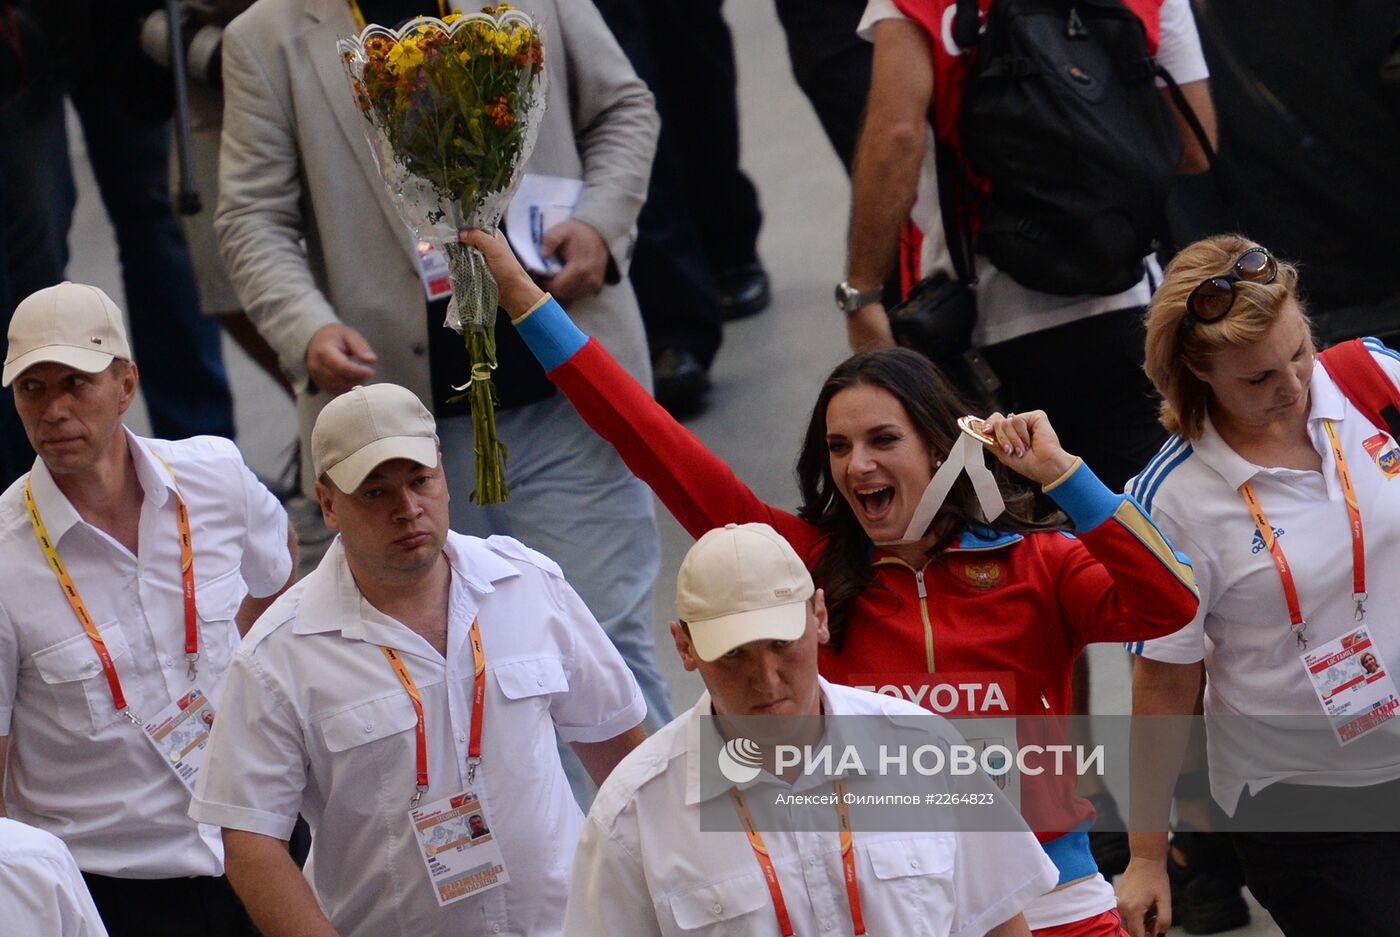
(768, 371)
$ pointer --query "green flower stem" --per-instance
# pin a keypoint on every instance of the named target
(490, 452)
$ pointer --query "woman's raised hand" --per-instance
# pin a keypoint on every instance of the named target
(1026, 442)
(518, 293)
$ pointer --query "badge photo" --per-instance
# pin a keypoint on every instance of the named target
(1386, 453)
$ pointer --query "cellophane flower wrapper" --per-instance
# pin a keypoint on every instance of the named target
(452, 110)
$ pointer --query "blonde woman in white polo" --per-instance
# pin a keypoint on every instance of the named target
(1296, 588)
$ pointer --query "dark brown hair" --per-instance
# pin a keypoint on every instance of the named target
(843, 569)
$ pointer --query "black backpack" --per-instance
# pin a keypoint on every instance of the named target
(1063, 120)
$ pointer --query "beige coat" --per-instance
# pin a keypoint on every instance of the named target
(306, 226)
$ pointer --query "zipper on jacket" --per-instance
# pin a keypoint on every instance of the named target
(922, 589)
(923, 613)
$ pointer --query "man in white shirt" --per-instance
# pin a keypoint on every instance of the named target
(751, 622)
(415, 680)
(129, 566)
(41, 889)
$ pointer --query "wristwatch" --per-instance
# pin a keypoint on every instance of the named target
(849, 299)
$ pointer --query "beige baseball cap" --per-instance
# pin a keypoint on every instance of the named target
(71, 323)
(368, 426)
(742, 583)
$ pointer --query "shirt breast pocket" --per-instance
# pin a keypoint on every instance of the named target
(72, 672)
(372, 742)
(216, 605)
(532, 682)
(913, 887)
(739, 905)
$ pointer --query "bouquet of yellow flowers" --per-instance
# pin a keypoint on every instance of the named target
(453, 108)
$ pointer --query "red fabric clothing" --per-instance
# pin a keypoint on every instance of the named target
(1108, 924)
(1006, 610)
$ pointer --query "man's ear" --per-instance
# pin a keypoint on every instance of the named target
(130, 378)
(324, 496)
(820, 613)
(685, 647)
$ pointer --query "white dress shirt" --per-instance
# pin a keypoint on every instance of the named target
(78, 767)
(315, 720)
(1242, 630)
(645, 867)
(41, 890)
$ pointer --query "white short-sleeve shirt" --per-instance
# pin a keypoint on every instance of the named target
(1242, 629)
(1005, 308)
(77, 767)
(41, 890)
(645, 867)
(315, 720)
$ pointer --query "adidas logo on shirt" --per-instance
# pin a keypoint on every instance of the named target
(1259, 544)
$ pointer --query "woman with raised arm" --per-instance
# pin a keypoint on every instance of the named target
(973, 616)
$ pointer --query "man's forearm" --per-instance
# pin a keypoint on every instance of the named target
(272, 888)
(885, 178)
(884, 185)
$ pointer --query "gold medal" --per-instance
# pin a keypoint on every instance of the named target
(973, 426)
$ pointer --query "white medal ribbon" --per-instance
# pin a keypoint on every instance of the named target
(966, 455)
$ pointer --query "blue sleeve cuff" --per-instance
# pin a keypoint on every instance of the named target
(1081, 495)
(550, 334)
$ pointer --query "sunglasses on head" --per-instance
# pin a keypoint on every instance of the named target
(1211, 300)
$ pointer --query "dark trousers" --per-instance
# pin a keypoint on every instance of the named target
(695, 73)
(168, 907)
(831, 64)
(670, 270)
(1088, 377)
(1321, 883)
(178, 348)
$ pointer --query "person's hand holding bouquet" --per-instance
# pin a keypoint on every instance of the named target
(453, 108)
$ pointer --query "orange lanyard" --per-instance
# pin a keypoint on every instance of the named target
(75, 599)
(478, 712)
(770, 873)
(360, 15)
(1358, 545)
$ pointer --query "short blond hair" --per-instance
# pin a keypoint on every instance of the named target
(1173, 349)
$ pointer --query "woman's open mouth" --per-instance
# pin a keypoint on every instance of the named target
(875, 502)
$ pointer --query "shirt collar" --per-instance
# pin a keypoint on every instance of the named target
(58, 512)
(333, 602)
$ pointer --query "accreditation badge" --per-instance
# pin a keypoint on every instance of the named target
(180, 734)
(1351, 680)
(459, 847)
(433, 271)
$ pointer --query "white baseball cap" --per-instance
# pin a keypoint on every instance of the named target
(71, 323)
(366, 427)
(742, 583)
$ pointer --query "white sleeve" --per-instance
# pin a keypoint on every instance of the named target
(255, 769)
(997, 875)
(603, 699)
(42, 891)
(1187, 646)
(875, 11)
(608, 891)
(266, 563)
(1179, 48)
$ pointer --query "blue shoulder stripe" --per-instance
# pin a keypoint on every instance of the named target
(1162, 475)
(1379, 347)
(1144, 477)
